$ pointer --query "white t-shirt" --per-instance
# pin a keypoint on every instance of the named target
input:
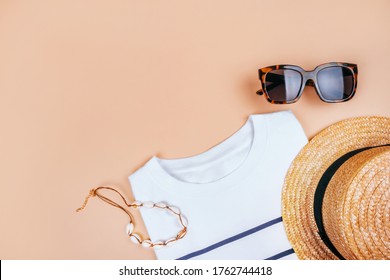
(230, 194)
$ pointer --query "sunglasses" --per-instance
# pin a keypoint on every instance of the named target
(283, 84)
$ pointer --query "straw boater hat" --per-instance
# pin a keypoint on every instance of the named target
(336, 195)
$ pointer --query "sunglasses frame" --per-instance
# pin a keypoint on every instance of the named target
(309, 78)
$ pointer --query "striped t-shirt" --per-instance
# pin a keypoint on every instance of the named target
(230, 194)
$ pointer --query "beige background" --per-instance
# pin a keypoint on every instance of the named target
(90, 90)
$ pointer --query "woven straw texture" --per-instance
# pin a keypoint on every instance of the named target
(302, 179)
(354, 210)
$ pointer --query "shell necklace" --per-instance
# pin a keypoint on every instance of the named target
(136, 237)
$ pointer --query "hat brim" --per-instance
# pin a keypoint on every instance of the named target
(307, 169)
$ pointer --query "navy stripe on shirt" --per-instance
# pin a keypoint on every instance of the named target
(231, 239)
(282, 254)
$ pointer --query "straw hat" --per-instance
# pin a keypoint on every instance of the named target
(336, 195)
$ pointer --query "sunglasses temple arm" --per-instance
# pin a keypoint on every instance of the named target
(259, 92)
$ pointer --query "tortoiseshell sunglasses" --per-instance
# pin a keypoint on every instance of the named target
(333, 82)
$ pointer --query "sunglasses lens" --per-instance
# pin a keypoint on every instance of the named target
(335, 83)
(283, 85)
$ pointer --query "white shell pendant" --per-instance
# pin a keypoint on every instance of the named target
(170, 242)
(158, 245)
(146, 243)
(129, 228)
(148, 204)
(184, 221)
(160, 205)
(135, 238)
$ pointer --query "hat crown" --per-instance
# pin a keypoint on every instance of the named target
(355, 207)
